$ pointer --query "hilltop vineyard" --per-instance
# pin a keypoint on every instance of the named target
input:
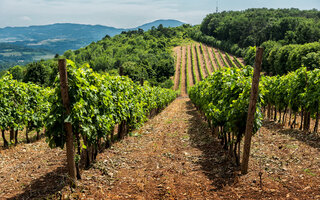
(194, 62)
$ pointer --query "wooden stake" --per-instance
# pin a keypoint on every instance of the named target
(67, 125)
(251, 110)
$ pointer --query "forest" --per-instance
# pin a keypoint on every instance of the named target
(142, 55)
(290, 37)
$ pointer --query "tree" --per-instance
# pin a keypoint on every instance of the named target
(37, 73)
(17, 72)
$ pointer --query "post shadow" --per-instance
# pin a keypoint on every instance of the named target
(215, 163)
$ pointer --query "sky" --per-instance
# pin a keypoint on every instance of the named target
(127, 13)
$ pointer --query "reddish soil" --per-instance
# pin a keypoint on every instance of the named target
(234, 60)
(173, 156)
(183, 71)
(195, 64)
(177, 51)
(31, 171)
(242, 61)
(190, 74)
(224, 57)
(211, 52)
(201, 62)
(215, 51)
(207, 59)
(288, 119)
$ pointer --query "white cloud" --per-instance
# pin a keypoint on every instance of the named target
(121, 13)
(25, 18)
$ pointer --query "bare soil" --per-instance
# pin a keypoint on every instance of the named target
(211, 52)
(190, 74)
(224, 57)
(215, 51)
(242, 61)
(201, 61)
(177, 52)
(183, 71)
(207, 59)
(195, 64)
(173, 156)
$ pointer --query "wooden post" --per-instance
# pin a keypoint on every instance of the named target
(251, 110)
(67, 125)
(141, 81)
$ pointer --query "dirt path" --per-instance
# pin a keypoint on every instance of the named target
(173, 156)
(207, 59)
(201, 62)
(195, 64)
(177, 51)
(190, 76)
(183, 71)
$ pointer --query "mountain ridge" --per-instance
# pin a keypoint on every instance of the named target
(57, 38)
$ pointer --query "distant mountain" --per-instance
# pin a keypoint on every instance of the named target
(56, 38)
(165, 23)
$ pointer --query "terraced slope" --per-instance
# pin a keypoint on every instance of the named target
(196, 61)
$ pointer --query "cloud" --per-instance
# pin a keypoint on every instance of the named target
(122, 13)
(25, 18)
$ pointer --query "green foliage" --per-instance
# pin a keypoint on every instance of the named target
(205, 63)
(22, 104)
(99, 102)
(250, 54)
(278, 59)
(17, 72)
(296, 90)
(210, 58)
(252, 27)
(197, 35)
(289, 36)
(300, 52)
(37, 73)
(238, 62)
(223, 60)
(193, 65)
(224, 99)
(269, 46)
(198, 61)
(142, 54)
(230, 61)
(216, 59)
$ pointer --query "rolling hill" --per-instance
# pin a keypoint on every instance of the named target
(54, 39)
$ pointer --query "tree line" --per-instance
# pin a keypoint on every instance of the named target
(290, 37)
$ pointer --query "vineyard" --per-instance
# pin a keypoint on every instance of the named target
(132, 140)
(194, 62)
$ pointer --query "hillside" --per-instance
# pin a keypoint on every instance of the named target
(174, 156)
(141, 54)
(132, 143)
(57, 38)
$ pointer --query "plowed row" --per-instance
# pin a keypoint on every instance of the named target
(194, 62)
